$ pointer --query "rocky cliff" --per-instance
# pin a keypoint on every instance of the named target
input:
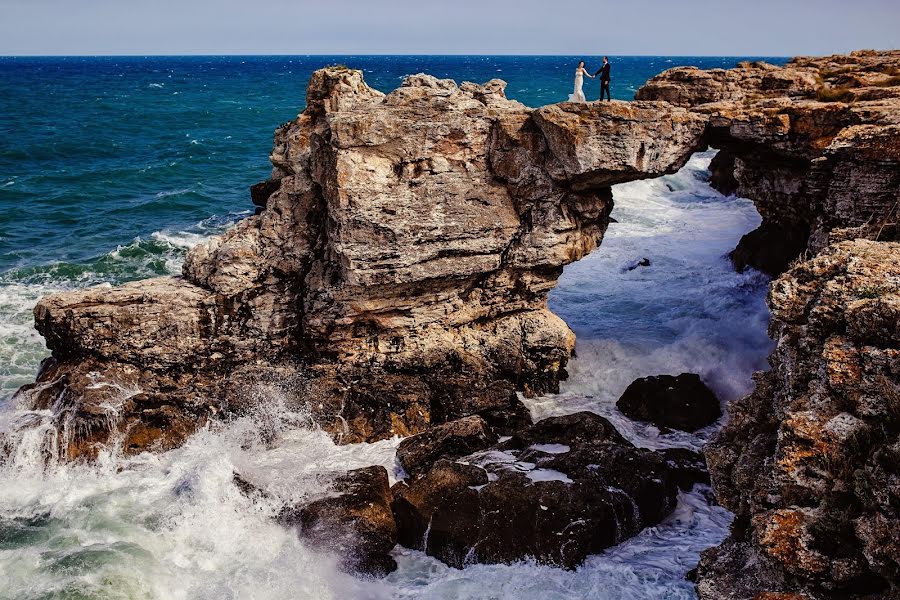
(815, 144)
(395, 276)
(809, 461)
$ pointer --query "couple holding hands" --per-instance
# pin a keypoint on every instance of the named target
(580, 72)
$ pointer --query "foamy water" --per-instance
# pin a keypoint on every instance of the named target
(173, 525)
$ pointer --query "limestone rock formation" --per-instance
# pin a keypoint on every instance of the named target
(809, 461)
(815, 145)
(557, 491)
(396, 275)
(671, 402)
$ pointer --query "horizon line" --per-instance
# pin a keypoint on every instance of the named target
(315, 55)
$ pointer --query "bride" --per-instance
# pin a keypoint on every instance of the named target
(580, 72)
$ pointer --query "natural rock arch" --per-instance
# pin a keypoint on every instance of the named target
(396, 274)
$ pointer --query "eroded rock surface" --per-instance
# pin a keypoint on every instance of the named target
(395, 277)
(815, 145)
(809, 461)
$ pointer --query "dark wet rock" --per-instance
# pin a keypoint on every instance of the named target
(721, 173)
(576, 429)
(644, 262)
(688, 467)
(356, 524)
(558, 491)
(770, 248)
(262, 191)
(671, 402)
(248, 488)
(506, 419)
(449, 440)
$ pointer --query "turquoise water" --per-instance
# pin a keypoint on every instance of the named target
(111, 168)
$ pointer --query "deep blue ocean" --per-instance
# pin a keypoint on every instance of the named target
(111, 168)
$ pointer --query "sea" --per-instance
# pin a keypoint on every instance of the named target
(111, 168)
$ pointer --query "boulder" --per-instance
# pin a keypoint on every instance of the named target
(687, 466)
(448, 440)
(356, 523)
(556, 492)
(671, 402)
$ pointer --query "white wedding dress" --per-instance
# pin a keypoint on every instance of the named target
(578, 95)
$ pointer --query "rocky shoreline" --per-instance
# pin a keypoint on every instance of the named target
(394, 281)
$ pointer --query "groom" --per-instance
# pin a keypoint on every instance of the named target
(604, 78)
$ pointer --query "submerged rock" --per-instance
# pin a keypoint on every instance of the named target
(671, 402)
(356, 524)
(556, 492)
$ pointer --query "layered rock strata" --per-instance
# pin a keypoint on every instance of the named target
(396, 275)
(815, 144)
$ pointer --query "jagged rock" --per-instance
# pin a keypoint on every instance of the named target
(397, 274)
(577, 429)
(770, 248)
(815, 144)
(356, 524)
(807, 462)
(671, 402)
(449, 440)
(560, 490)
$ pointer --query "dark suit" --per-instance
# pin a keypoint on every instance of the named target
(603, 72)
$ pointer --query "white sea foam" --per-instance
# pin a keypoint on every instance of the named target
(547, 475)
(550, 448)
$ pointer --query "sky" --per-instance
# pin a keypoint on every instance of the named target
(623, 27)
